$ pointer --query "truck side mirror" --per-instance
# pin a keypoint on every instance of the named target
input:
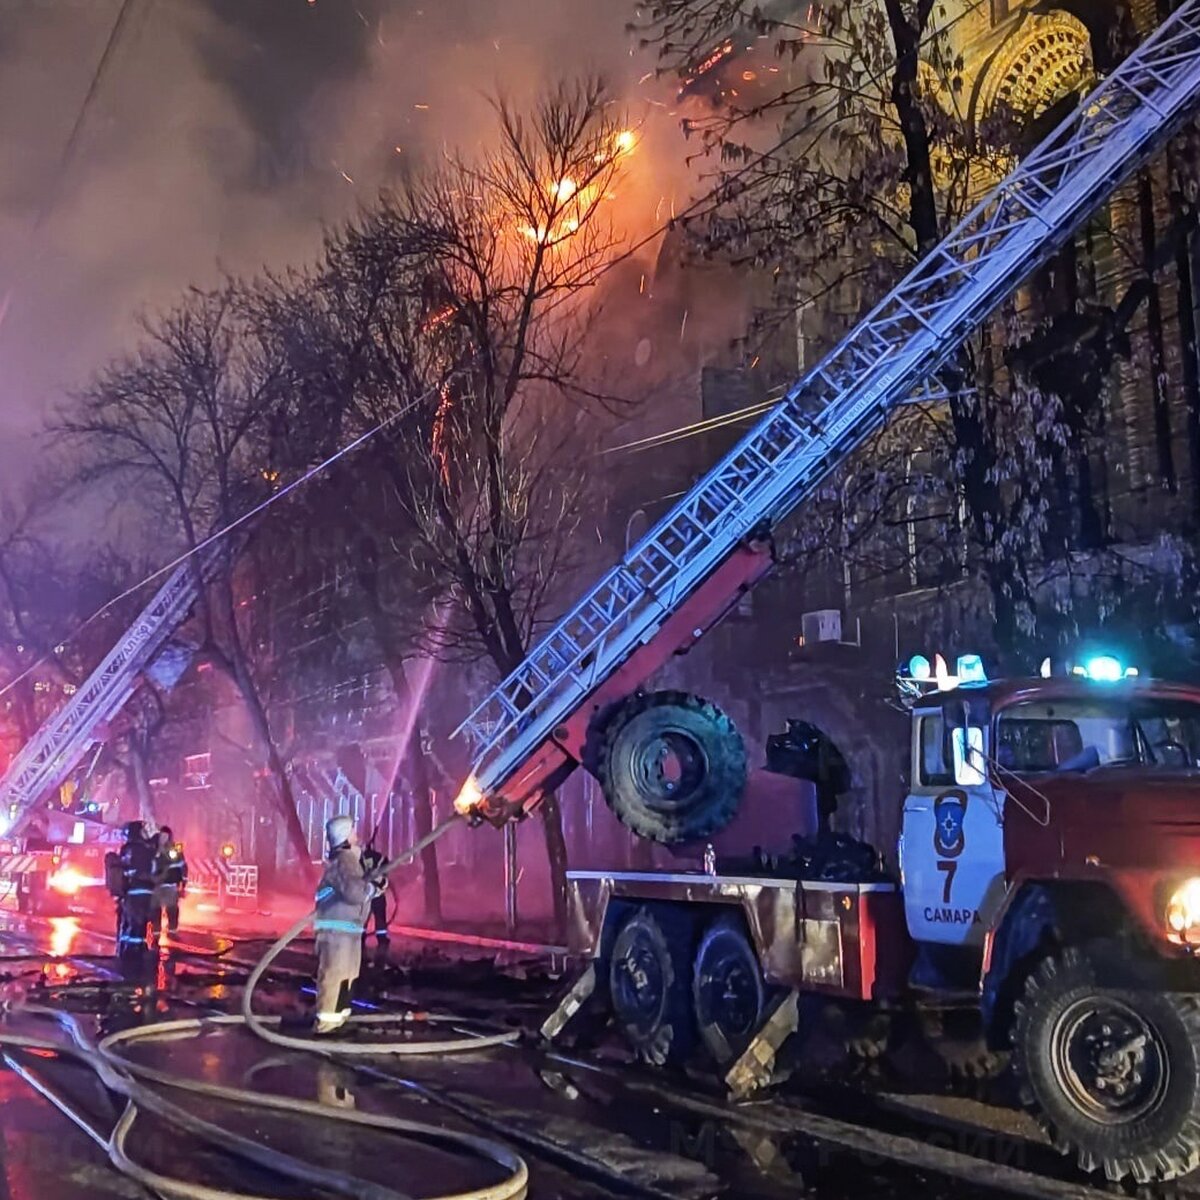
(969, 764)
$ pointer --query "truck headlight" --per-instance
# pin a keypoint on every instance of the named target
(1183, 910)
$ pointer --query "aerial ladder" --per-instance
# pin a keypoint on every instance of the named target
(539, 723)
(47, 760)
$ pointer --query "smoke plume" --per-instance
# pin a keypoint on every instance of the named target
(222, 134)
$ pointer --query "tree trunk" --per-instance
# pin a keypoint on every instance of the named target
(423, 823)
(551, 812)
(236, 663)
(366, 562)
(413, 754)
(281, 793)
(139, 781)
(976, 451)
(556, 852)
(1006, 586)
(282, 797)
(1158, 354)
(1188, 351)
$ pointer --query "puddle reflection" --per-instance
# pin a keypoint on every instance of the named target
(63, 932)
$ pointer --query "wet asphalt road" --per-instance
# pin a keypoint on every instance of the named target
(593, 1127)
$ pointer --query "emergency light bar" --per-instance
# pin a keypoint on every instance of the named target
(1100, 668)
(968, 668)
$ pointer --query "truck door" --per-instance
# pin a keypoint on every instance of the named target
(952, 843)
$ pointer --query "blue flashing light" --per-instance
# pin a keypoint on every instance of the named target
(919, 667)
(969, 669)
(1104, 668)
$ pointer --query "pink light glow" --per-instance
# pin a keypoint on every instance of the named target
(419, 678)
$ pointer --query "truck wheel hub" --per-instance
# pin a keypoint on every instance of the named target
(1109, 1060)
(668, 766)
(732, 996)
(641, 982)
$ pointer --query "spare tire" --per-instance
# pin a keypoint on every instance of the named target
(672, 766)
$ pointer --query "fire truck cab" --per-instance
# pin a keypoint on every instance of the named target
(1048, 882)
(58, 868)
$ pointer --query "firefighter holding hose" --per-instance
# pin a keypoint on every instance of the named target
(343, 901)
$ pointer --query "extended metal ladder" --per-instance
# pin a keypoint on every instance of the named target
(835, 406)
(49, 757)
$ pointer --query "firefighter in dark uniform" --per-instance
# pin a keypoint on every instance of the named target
(114, 882)
(31, 886)
(372, 860)
(170, 881)
(137, 870)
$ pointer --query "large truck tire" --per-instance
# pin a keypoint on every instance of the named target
(728, 992)
(648, 985)
(1110, 1063)
(672, 766)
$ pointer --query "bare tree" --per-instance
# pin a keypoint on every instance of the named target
(453, 317)
(54, 615)
(189, 424)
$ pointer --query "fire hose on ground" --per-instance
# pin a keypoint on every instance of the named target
(130, 1079)
(340, 1049)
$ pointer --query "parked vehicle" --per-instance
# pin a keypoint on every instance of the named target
(58, 868)
(1049, 880)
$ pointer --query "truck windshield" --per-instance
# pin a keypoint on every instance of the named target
(1077, 735)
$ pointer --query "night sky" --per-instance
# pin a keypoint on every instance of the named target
(226, 131)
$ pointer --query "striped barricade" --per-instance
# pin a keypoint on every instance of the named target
(207, 874)
(13, 866)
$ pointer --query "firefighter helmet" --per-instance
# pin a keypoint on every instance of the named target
(339, 830)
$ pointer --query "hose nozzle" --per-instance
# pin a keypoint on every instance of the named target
(469, 799)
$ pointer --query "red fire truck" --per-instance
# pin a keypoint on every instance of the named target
(1047, 881)
(57, 867)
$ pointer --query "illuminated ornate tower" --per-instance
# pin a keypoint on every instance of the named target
(1020, 57)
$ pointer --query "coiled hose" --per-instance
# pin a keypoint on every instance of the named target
(129, 1079)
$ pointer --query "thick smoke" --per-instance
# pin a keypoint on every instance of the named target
(223, 133)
